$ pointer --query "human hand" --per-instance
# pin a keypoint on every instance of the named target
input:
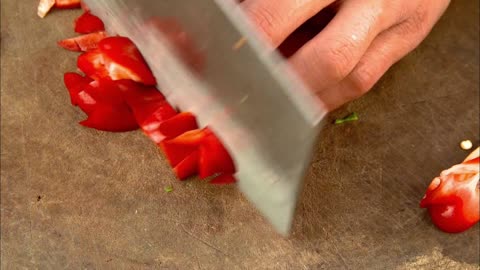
(362, 41)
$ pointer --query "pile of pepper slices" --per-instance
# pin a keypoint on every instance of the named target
(117, 92)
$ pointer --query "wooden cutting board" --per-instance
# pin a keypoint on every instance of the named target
(76, 198)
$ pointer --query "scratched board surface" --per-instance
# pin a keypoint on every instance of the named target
(75, 198)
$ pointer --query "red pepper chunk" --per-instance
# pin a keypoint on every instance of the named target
(124, 61)
(92, 64)
(214, 158)
(88, 23)
(66, 4)
(82, 43)
(187, 167)
(177, 125)
(107, 117)
(75, 83)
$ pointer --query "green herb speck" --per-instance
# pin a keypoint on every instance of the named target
(168, 189)
(350, 118)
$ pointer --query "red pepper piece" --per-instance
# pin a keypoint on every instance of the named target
(179, 148)
(92, 64)
(187, 167)
(67, 4)
(224, 179)
(453, 198)
(88, 23)
(82, 43)
(124, 61)
(111, 118)
(178, 125)
(214, 158)
(75, 83)
(44, 6)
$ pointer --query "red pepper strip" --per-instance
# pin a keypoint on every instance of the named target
(223, 179)
(111, 118)
(82, 43)
(178, 125)
(214, 158)
(67, 4)
(88, 23)
(187, 167)
(124, 61)
(75, 83)
(179, 148)
(92, 64)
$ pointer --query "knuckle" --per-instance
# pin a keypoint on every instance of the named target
(364, 79)
(265, 20)
(339, 58)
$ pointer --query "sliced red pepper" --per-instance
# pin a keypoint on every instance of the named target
(88, 23)
(187, 167)
(178, 125)
(44, 6)
(453, 198)
(214, 158)
(224, 179)
(83, 43)
(92, 64)
(179, 148)
(111, 118)
(124, 61)
(67, 4)
(75, 83)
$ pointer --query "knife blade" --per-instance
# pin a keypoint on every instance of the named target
(266, 118)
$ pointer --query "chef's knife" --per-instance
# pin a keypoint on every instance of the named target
(262, 113)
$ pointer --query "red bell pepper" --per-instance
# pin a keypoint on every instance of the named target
(88, 23)
(452, 199)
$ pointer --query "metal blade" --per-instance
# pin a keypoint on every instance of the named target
(262, 113)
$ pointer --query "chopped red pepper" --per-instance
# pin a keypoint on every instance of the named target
(88, 23)
(92, 64)
(187, 167)
(124, 61)
(75, 83)
(111, 118)
(214, 158)
(83, 43)
(118, 95)
(179, 148)
(177, 125)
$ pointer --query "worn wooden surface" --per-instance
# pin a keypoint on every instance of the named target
(73, 198)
